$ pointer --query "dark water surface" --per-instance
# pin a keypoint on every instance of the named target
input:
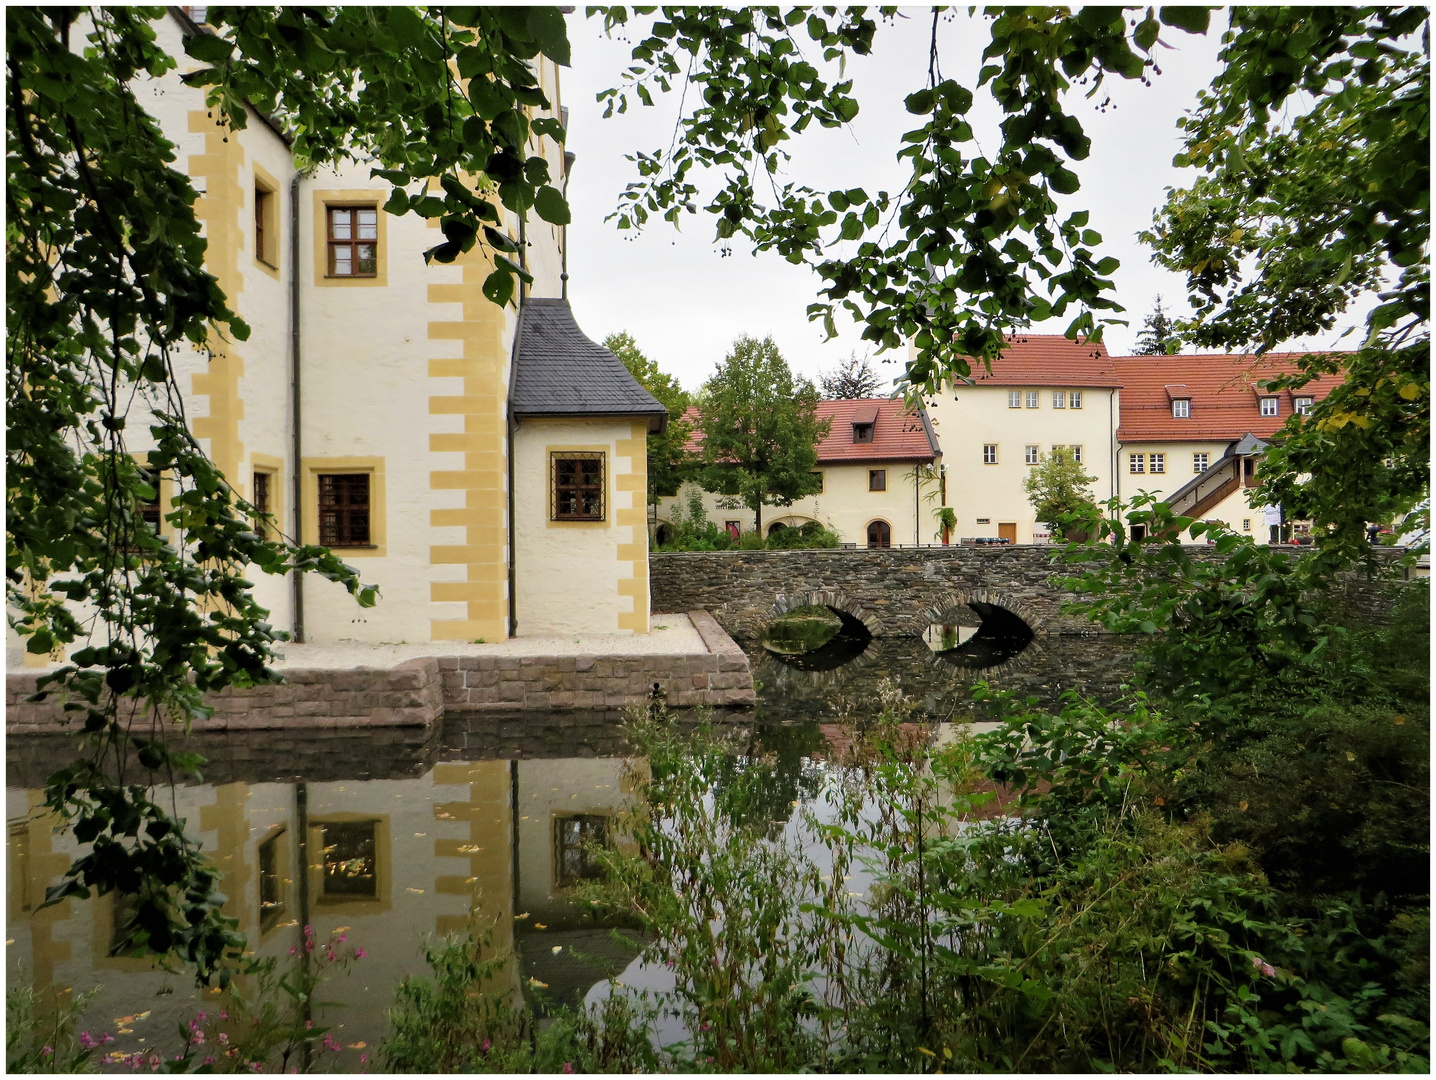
(400, 829)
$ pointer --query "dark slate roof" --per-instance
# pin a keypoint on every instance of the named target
(560, 372)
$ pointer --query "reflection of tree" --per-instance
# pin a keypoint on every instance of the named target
(771, 771)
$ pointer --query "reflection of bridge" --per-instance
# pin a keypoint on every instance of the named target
(893, 592)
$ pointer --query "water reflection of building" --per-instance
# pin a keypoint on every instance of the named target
(392, 860)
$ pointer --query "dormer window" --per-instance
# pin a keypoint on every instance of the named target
(1182, 408)
(1302, 406)
(1269, 406)
(862, 433)
(864, 419)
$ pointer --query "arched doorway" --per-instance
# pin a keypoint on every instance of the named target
(663, 534)
(777, 527)
(880, 534)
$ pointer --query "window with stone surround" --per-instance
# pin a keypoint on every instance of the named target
(577, 485)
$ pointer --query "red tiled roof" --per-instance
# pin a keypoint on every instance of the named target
(1221, 389)
(898, 435)
(1049, 360)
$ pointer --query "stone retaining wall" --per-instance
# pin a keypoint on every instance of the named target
(893, 591)
(719, 677)
(418, 692)
(407, 695)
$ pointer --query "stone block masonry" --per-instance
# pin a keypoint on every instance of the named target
(418, 692)
(719, 677)
(898, 592)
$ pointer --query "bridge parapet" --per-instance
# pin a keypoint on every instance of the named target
(894, 592)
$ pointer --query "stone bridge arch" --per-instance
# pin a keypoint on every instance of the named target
(834, 599)
(964, 600)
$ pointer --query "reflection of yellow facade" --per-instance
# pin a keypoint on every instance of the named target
(443, 841)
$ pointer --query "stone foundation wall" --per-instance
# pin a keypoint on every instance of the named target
(407, 695)
(895, 592)
(417, 692)
(720, 678)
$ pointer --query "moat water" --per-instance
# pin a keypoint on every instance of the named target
(400, 830)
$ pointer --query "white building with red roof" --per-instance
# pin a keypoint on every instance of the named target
(1193, 427)
(1044, 392)
(879, 479)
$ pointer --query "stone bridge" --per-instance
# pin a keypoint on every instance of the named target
(894, 592)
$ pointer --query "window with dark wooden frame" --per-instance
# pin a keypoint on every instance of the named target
(271, 882)
(150, 509)
(261, 502)
(353, 241)
(877, 479)
(880, 535)
(350, 861)
(577, 485)
(862, 433)
(573, 840)
(262, 239)
(344, 509)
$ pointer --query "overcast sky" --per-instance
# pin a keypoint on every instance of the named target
(684, 301)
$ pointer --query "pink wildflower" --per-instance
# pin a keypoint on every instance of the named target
(568, 1066)
(200, 1016)
(199, 1038)
(329, 955)
(309, 931)
(343, 938)
(359, 953)
(106, 1038)
(485, 1047)
(86, 1041)
(363, 1059)
(308, 944)
(293, 950)
(224, 1037)
(209, 1060)
(224, 1014)
(47, 1051)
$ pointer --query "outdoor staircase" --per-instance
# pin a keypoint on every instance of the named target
(1206, 490)
(1236, 469)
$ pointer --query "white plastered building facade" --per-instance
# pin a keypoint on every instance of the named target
(371, 407)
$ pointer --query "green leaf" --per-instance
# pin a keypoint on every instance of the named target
(546, 27)
(208, 48)
(1191, 19)
(550, 204)
(499, 287)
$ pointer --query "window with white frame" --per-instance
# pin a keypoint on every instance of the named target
(1074, 399)
(989, 453)
(1032, 453)
(1136, 463)
(1159, 463)
(1032, 399)
(1014, 399)
(1246, 524)
(1059, 399)
(1199, 463)
(1268, 406)
(1181, 407)
(1302, 406)
(1076, 453)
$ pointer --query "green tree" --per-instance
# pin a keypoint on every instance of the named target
(1291, 221)
(1058, 486)
(853, 378)
(669, 463)
(760, 429)
(1159, 334)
